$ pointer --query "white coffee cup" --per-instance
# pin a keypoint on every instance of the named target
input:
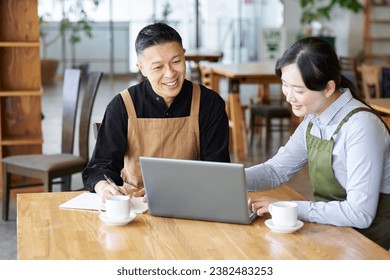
(117, 207)
(284, 213)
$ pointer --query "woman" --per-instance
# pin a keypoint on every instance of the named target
(343, 141)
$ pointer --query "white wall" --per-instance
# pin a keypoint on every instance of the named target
(355, 42)
(95, 50)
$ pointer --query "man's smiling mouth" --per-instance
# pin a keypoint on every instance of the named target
(171, 84)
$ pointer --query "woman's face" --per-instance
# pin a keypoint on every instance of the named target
(303, 101)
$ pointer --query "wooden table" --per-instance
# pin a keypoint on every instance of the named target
(47, 232)
(262, 74)
(380, 104)
(198, 55)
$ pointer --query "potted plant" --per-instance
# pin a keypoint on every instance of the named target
(314, 12)
(74, 24)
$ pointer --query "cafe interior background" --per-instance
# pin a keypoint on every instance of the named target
(243, 30)
(234, 27)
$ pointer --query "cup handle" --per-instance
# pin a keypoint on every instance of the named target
(102, 208)
(270, 209)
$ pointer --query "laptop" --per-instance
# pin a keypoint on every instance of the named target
(196, 190)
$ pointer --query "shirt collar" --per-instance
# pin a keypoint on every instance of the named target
(333, 109)
(158, 98)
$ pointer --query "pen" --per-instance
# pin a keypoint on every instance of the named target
(111, 182)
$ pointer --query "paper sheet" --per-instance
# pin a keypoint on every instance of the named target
(92, 201)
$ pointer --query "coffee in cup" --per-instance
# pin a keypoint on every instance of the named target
(117, 207)
(284, 213)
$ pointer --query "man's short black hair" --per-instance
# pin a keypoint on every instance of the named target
(156, 34)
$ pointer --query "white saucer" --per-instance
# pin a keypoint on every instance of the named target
(274, 228)
(110, 222)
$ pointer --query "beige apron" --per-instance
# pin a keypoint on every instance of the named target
(159, 137)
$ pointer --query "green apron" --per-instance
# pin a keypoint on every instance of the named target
(327, 188)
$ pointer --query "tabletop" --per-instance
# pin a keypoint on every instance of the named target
(381, 104)
(245, 70)
(203, 55)
(47, 232)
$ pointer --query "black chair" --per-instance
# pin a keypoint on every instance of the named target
(47, 167)
(261, 115)
(385, 82)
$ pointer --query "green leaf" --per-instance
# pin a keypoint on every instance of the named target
(316, 10)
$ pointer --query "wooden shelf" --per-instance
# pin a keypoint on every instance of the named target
(380, 39)
(21, 93)
(20, 44)
(21, 141)
(20, 80)
(380, 21)
(379, 56)
(376, 31)
(378, 5)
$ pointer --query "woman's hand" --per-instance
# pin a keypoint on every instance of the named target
(260, 205)
(140, 193)
(104, 190)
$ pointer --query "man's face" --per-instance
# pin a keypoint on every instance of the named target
(164, 66)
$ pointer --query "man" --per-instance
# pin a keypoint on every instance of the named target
(163, 116)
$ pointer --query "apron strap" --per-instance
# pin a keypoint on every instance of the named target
(195, 103)
(346, 118)
(128, 103)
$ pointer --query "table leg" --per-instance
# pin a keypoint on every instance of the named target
(236, 118)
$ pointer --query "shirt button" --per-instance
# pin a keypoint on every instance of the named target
(166, 114)
(157, 98)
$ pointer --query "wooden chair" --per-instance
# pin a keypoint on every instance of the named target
(371, 81)
(96, 127)
(47, 167)
(349, 68)
(196, 68)
(206, 76)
